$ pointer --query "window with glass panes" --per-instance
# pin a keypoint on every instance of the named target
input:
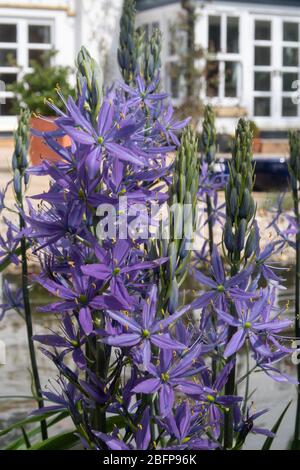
(223, 69)
(21, 42)
(177, 48)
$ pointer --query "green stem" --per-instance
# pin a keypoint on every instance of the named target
(29, 328)
(99, 355)
(230, 385)
(210, 224)
(247, 380)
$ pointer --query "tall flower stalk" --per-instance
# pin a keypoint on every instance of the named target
(208, 158)
(129, 41)
(183, 204)
(294, 170)
(20, 182)
(240, 210)
(90, 77)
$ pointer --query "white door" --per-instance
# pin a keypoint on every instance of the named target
(275, 71)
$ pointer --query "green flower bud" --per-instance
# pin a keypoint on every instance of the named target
(228, 237)
(240, 236)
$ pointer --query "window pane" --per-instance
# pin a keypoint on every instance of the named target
(290, 32)
(262, 55)
(262, 106)
(39, 56)
(212, 78)
(289, 108)
(177, 39)
(177, 83)
(287, 80)
(39, 34)
(8, 57)
(8, 78)
(8, 33)
(262, 30)
(262, 81)
(6, 108)
(290, 56)
(231, 71)
(214, 33)
(232, 34)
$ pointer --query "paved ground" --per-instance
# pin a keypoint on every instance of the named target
(36, 185)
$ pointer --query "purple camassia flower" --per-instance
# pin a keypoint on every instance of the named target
(72, 340)
(142, 436)
(244, 425)
(167, 375)
(211, 397)
(147, 331)
(103, 138)
(13, 300)
(221, 289)
(81, 190)
(187, 428)
(169, 127)
(66, 398)
(9, 245)
(116, 263)
(143, 95)
(263, 268)
(81, 295)
(254, 322)
(56, 223)
(210, 183)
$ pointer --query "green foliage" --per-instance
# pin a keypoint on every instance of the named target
(41, 84)
(269, 441)
(254, 129)
(63, 441)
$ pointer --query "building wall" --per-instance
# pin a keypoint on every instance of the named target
(93, 23)
(230, 108)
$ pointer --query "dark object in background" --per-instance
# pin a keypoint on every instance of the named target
(224, 143)
(270, 173)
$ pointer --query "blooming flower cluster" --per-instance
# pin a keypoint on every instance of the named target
(136, 370)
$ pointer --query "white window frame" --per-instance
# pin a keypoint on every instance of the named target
(276, 69)
(22, 47)
(224, 56)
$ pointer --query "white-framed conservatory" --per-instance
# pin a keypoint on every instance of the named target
(26, 33)
(252, 57)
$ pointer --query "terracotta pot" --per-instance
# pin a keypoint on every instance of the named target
(257, 145)
(38, 149)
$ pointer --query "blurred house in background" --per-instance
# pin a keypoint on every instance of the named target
(28, 28)
(251, 59)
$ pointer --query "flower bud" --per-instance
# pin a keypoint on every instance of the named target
(228, 237)
(240, 236)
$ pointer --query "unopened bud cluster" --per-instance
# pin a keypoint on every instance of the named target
(184, 197)
(239, 234)
(208, 136)
(20, 159)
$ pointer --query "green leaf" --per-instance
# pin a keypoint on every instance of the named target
(20, 441)
(269, 440)
(30, 419)
(63, 441)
